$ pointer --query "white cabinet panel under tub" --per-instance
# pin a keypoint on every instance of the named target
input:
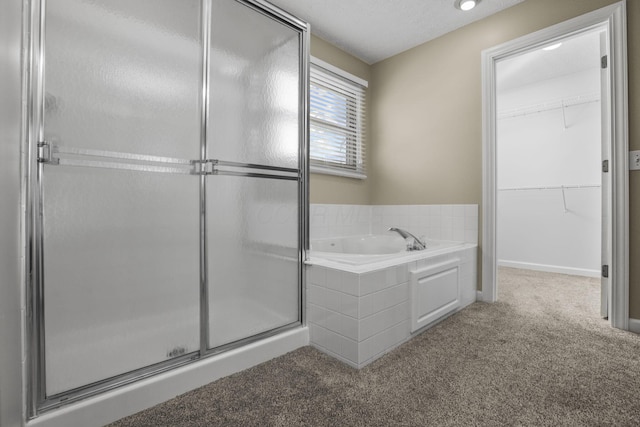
(435, 291)
(358, 312)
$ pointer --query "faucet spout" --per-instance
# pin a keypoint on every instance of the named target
(418, 244)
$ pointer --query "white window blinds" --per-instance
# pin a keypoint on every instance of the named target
(337, 121)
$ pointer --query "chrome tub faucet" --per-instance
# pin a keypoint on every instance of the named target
(417, 245)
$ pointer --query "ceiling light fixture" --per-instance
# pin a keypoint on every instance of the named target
(552, 47)
(466, 4)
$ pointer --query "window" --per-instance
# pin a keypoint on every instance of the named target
(337, 116)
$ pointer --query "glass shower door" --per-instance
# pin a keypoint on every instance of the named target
(252, 199)
(168, 206)
(120, 212)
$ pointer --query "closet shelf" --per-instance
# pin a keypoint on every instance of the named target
(556, 187)
(558, 104)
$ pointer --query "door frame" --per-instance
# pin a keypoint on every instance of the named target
(612, 19)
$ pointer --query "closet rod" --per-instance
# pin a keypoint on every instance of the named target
(557, 187)
(549, 106)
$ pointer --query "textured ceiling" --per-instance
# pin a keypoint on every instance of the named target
(373, 30)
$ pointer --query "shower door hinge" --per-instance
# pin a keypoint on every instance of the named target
(604, 62)
(45, 153)
(605, 271)
(605, 166)
(203, 167)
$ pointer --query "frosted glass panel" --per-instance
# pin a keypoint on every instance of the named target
(124, 75)
(253, 256)
(121, 272)
(121, 248)
(254, 89)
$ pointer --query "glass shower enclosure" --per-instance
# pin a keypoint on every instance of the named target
(169, 186)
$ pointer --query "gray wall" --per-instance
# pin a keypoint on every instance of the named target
(10, 291)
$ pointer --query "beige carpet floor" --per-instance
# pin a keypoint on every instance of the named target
(541, 356)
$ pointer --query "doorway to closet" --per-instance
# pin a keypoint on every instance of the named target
(550, 149)
(612, 19)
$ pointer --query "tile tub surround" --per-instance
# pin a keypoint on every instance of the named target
(437, 222)
(358, 317)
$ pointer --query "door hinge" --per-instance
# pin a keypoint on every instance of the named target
(604, 62)
(605, 271)
(605, 166)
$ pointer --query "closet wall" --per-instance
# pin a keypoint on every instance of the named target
(549, 172)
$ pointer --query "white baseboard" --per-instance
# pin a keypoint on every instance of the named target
(111, 406)
(634, 325)
(479, 296)
(550, 268)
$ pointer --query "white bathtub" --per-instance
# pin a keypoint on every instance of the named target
(359, 254)
(370, 244)
(365, 295)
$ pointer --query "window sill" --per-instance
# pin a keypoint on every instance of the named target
(336, 172)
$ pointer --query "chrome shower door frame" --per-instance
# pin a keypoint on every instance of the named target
(37, 153)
